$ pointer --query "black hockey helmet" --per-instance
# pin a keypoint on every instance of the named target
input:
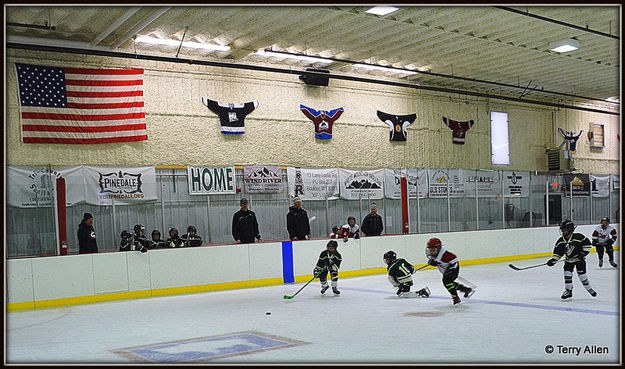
(351, 218)
(390, 256)
(126, 234)
(191, 229)
(568, 225)
(156, 232)
(173, 230)
(139, 228)
(332, 243)
(335, 229)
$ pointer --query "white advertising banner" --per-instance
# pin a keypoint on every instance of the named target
(30, 187)
(488, 183)
(313, 184)
(441, 179)
(125, 185)
(361, 184)
(262, 178)
(392, 178)
(600, 186)
(211, 180)
(616, 184)
(516, 183)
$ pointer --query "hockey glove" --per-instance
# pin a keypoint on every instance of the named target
(610, 242)
(345, 238)
(432, 262)
(595, 242)
(317, 271)
(551, 262)
(356, 236)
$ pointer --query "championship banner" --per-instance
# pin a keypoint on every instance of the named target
(488, 183)
(262, 178)
(600, 186)
(361, 184)
(211, 180)
(30, 187)
(516, 183)
(313, 184)
(392, 177)
(616, 185)
(129, 185)
(440, 179)
(579, 182)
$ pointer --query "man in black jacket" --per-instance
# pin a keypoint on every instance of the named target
(372, 224)
(297, 221)
(87, 243)
(245, 225)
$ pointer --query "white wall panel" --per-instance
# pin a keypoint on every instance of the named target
(265, 260)
(63, 276)
(110, 273)
(20, 279)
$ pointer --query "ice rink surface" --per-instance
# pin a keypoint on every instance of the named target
(514, 317)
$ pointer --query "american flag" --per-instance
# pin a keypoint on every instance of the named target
(80, 106)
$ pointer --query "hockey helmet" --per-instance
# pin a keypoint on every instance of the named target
(389, 256)
(125, 234)
(332, 243)
(139, 229)
(568, 225)
(173, 230)
(156, 232)
(191, 229)
(351, 218)
(434, 243)
(607, 219)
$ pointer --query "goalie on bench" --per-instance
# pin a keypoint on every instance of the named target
(400, 275)
(329, 260)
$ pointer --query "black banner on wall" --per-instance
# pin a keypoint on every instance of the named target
(579, 182)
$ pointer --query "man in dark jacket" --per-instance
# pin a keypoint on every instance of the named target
(297, 221)
(86, 235)
(372, 224)
(245, 225)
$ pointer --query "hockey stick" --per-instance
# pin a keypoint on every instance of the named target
(287, 297)
(529, 267)
(423, 267)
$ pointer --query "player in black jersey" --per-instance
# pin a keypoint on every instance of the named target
(400, 275)
(329, 261)
(157, 242)
(575, 247)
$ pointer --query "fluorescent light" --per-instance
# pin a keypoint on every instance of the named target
(384, 69)
(613, 99)
(381, 10)
(564, 46)
(278, 54)
(191, 45)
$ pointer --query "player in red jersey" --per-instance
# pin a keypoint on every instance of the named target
(447, 263)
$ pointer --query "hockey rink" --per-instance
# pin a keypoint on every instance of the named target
(514, 317)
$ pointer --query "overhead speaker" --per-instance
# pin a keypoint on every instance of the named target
(313, 79)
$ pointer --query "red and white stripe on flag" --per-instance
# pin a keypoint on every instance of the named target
(80, 106)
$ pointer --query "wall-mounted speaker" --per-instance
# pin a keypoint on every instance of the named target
(314, 79)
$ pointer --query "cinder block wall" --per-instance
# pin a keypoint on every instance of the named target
(181, 130)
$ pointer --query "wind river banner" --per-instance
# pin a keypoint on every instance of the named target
(313, 184)
(262, 178)
(361, 184)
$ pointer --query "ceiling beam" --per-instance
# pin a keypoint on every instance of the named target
(129, 13)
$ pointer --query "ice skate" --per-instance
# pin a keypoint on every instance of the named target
(600, 263)
(567, 295)
(324, 289)
(613, 264)
(424, 292)
(592, 292)
(469, 292)
(336, 291)
(456, 300)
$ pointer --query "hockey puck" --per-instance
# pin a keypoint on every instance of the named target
(268, 313)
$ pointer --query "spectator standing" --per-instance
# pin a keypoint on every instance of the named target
(297, 222)
(245, 225)
(87, 243)
(372, 224)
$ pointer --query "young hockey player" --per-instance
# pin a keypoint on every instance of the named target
(604, 236)
(350, 230)
(447, 263)
(335, 232)
(174, 239)
(329, 261)
(191, 239)
(400, 275)
(575, 246)
(157, 242)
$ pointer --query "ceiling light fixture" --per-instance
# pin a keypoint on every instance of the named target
(384, 69)
(613, 99)
(280, 54)
(191, 45)
(381, 10)
(564, 46)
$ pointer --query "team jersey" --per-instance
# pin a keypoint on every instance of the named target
(601, 236)
(347, 231)
(397, 124)
(231, 116)
(446, 259)
(400, 272)
(326, 256)
(322, 119)
(574, 248)
(191, 241)
(458, 129)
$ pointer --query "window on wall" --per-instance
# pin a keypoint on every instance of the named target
(499, 138)
(597, 135)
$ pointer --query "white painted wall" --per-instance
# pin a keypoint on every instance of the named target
(36, 279)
